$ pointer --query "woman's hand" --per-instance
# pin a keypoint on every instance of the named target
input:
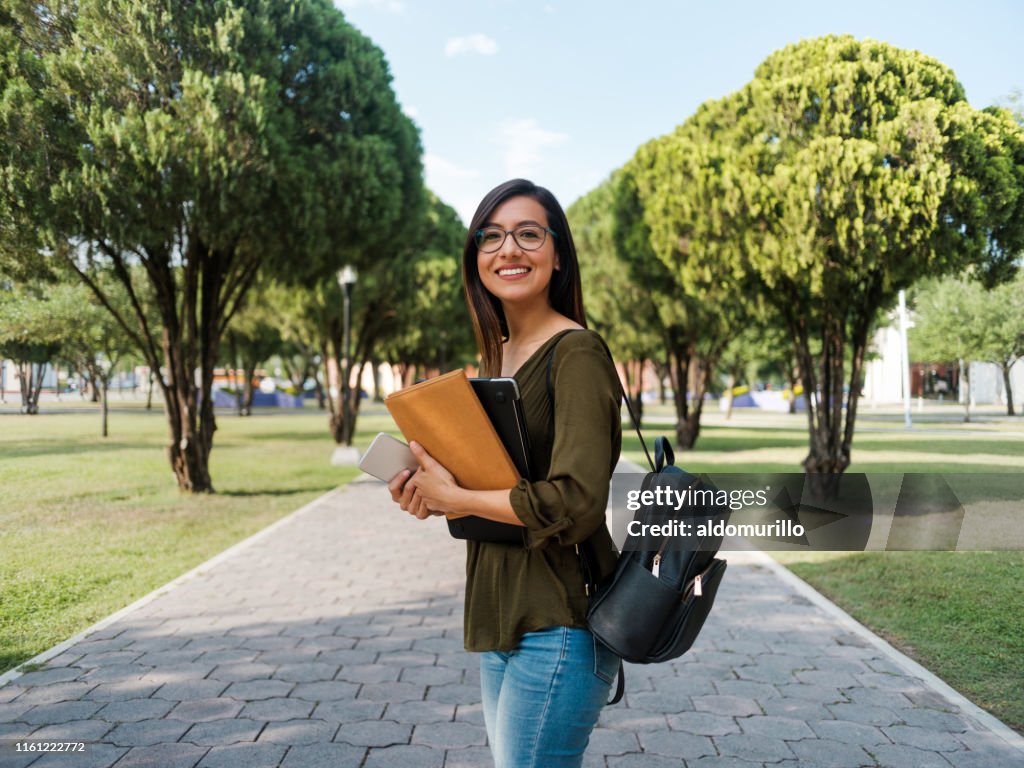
(428, 491)
(433, 485)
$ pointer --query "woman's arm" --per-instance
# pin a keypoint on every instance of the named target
(433, 491)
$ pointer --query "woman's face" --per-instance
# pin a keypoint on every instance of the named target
(515, 274)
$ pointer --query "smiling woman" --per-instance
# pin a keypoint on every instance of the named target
(543, 675)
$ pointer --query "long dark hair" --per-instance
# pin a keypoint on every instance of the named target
(565, 292)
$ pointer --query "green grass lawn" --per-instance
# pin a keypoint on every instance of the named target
(88, 525)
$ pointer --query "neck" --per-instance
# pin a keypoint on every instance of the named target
(527, 322)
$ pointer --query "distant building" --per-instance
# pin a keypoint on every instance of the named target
(883, 377)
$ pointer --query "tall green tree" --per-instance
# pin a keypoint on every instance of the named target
(617, 306)
(204, 142)
(431, 326)
(679, 224)
(865, 169)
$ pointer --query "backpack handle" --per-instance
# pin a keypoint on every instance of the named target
(663, 454)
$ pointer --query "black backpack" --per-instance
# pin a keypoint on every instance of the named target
(652, 607)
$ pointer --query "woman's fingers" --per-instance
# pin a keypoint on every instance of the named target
(398, 484)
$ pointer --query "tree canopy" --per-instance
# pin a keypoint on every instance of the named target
(843, 172)
(206, 143)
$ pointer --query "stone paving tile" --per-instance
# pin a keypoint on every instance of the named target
(643, 761)
(922, 738)
(147, 732)
(230, 731)
(374, 733)
(95, 756)
(850, 733)
(50, 675)
(308, 731)
(799, 708)
(324, 756)
(278, 709)
(72, 730)
(55, 713)
(449, 735)
(244, 756)
(134, 710)
(734, 706)
(323, 691)
(749, 747)
(471, 757)
(420, 712)
(864, 713)
(774, 727)
(260, 689)
(910, 757)
(405, 756)
(163, 756)
(677, 744)
(122, 691)
(202, 710)
(830, 754)
(470, 713)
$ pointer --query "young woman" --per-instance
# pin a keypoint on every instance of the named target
(543, 677)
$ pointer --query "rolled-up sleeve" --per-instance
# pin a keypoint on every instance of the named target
(569, 504)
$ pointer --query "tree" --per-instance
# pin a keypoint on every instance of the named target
(431, 326)
(92, 340)
(679, 224)
(34, 324)
(617, 307)
(958, 319)
(252, 337)
(865, 169)
(203, 142)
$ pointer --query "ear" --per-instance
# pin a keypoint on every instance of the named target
(557, 265)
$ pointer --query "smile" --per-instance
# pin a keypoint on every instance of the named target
(512, 271)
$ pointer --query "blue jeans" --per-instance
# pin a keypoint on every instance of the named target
(541, 700)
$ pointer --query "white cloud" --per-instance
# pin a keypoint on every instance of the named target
(437, 166)
(388, 6)
(454, 184)
(523, 143)
(476, 43)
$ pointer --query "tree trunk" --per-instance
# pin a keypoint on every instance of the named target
(236, 385)
(149, 394)
(248, 390)
(731, 395)
(30, 377)
(965, 378)
(1006, 366)
(105, 389)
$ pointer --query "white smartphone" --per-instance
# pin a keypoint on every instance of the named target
(386, 457)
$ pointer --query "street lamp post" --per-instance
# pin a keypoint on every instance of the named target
(347, 277)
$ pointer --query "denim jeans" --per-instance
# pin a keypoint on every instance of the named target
(541, 700)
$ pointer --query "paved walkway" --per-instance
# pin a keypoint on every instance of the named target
(335, 639)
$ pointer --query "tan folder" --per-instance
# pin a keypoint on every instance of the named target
(445, 416)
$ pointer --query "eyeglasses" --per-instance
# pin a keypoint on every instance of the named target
(529, 237)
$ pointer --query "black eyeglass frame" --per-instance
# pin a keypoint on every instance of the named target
(507, 232)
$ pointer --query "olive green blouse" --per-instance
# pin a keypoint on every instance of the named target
(511, 590)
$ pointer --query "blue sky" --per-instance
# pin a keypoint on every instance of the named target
(563, 92)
